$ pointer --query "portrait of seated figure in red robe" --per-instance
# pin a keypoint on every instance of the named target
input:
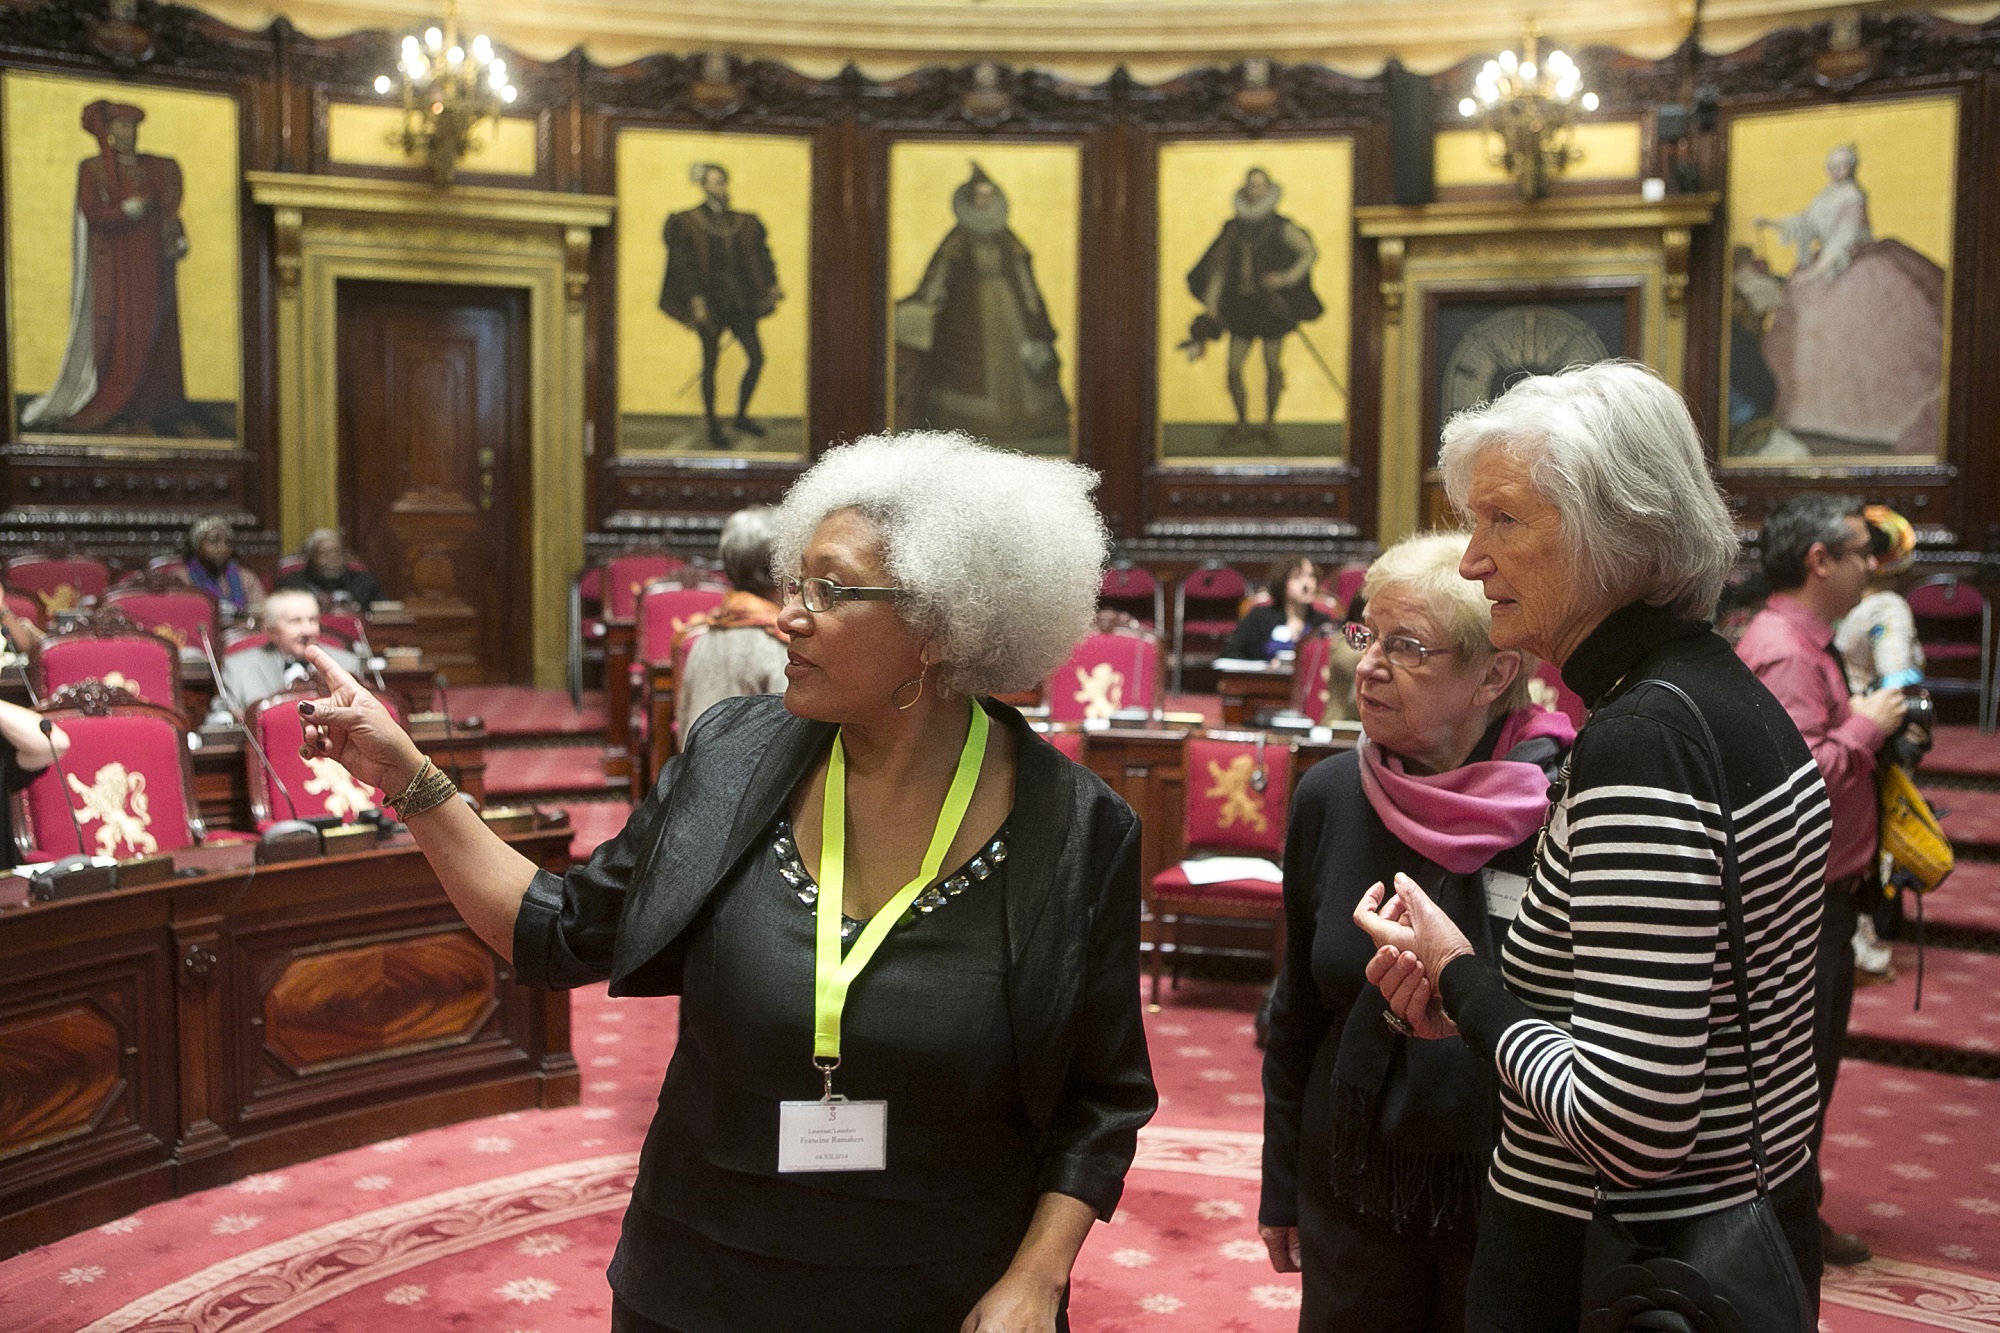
(121, 369)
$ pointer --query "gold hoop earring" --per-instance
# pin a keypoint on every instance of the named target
(918, 682)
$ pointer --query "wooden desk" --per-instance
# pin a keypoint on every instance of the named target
(222, 789)
(1251, 694)
(166, 1039)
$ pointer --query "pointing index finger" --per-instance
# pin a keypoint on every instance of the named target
(336, 675)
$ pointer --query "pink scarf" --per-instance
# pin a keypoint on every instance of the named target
(1462, 818)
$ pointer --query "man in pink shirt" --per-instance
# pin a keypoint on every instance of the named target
(1816, 556)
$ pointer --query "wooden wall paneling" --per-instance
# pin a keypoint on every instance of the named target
(88, 1061)
(1980, 412)
(848, 336)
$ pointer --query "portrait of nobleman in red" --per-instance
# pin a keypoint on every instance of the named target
(121, 368)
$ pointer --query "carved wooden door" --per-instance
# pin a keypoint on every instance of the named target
(433, 450)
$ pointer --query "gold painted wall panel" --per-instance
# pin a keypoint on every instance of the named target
(1611, 151)
(358, 136)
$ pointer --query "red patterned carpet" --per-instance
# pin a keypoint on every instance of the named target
(513, 711)
(545, 770)
(507, 1223)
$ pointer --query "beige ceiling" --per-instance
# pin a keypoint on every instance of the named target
(1083, 39)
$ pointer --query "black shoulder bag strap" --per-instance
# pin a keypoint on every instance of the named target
(1732, 906)
(1736, 1265)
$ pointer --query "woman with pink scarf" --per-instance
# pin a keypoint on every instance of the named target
(1375, 1144)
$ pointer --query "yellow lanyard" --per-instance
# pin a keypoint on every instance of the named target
(832, 974)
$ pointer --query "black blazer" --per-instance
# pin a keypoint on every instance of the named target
(1072, 917)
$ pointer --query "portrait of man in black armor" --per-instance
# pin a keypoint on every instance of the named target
(720, 282)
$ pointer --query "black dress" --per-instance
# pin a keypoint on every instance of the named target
(716, 1240)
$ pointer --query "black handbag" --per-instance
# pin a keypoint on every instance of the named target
(1725, 1272)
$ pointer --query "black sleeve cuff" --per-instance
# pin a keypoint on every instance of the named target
(1479, 1002)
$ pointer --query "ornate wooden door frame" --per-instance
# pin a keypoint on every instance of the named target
(1472, 247)
(333, 227)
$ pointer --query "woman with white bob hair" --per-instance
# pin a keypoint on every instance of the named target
(904, 929)
(1613, 1016)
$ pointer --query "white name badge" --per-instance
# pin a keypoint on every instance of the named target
(1503, 893)
(833, 1136)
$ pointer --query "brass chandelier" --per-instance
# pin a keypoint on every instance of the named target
(449, 88)
(1531, 103)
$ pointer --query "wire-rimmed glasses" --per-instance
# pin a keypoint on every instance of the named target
(821, 595)
(1400, 649)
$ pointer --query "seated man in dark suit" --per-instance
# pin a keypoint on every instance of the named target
(291, 619)
(327, 573)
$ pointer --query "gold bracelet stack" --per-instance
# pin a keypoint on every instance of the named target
(427, 790)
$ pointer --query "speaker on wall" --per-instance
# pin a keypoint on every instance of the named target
(1412, 176)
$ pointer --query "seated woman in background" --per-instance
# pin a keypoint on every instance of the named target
(739, 649)
(989, 888)
(213, 568)
(1277, 626)
(327, 574)
(1374, 1143)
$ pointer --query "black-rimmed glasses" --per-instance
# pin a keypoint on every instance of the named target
(821, 595)
(1400, 649)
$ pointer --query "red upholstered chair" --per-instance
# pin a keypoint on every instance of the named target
(1324, 665)
(114, 650)
(59, 583)
(627, 576)
(27, 607)
(343, 627)
(1949, 612)
(318, 787)
(1136, 592)
(130, 782)
(1239, 788)
(1206, 608)
(1347, 583)
(180, 614)
(665, 608)
(1107, 672)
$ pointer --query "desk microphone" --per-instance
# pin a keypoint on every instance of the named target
(368, 657)
(72, 876)
(443, 687)
(291, 839)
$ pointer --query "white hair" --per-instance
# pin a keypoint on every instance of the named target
(1000, 555)
(1614, 449)
(277, 600)
(1426, 567)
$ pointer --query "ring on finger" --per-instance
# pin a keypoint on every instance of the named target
(1397, 1024)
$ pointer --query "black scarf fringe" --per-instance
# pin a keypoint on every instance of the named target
(1434, 1191)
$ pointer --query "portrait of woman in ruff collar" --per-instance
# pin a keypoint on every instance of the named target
(980, 342)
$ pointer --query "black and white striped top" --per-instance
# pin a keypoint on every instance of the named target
(1611, 1020)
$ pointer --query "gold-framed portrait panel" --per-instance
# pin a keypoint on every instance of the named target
(124, 263)
(1837, 342)
(1253, 300)
(983, 260)
(714, 285)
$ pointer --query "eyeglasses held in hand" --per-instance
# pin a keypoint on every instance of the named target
(820, 595)
(1400, 649)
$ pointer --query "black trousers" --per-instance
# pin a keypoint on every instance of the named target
(1363, 1277)
(1833, 994)
(1527, 1271)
